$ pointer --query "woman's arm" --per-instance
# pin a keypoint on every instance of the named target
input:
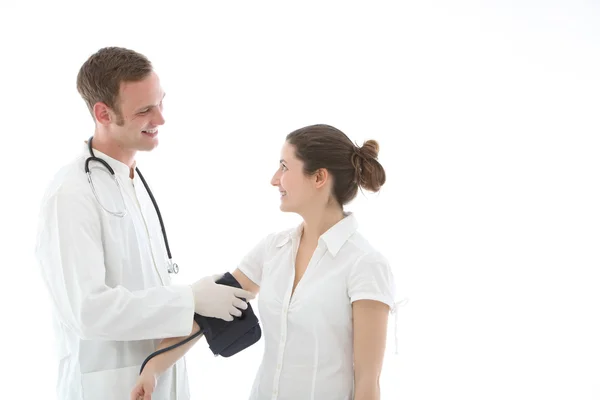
(370, 319)
(162, 362)
(246, 283)
(158, 364)
(146, 382)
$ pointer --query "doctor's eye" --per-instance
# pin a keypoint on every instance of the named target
(283, 167)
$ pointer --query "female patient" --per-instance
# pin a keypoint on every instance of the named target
(325, 292)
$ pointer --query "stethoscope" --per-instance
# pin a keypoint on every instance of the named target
(173, 267)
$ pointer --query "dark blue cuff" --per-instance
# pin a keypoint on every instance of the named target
(226, 338)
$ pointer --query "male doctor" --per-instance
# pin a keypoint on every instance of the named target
(107, 274)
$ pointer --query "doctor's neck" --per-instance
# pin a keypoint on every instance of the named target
(104, 144)
(318, 221)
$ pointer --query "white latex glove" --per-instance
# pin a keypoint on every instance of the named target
(219, 301)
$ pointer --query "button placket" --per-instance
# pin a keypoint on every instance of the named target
(283, 337)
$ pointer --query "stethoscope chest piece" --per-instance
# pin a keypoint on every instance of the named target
(173, 268)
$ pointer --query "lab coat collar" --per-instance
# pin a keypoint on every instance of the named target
(334, 238)
(119, 167)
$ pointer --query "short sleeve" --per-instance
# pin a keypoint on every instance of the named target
(371, 278)
(252, 263)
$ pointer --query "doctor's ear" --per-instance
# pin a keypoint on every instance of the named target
(102, 113)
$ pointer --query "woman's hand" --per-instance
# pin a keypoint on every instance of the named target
(144, 387)
(147, 381)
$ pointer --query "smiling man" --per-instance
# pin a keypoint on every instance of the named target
(101, 249)
(130, 104)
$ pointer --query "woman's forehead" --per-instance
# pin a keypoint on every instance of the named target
(288, 151)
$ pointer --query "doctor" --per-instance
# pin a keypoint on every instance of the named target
(108, 275)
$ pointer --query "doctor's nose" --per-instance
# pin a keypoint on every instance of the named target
(159, 118)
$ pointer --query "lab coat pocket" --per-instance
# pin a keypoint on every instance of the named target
(109, 384)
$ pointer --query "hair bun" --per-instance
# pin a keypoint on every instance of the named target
(369, 149)
(369, 174)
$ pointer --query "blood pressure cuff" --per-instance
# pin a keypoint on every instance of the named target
(226, 338)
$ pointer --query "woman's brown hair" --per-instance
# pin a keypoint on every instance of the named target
(323, 146)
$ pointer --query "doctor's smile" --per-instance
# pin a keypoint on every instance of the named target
(150, 132)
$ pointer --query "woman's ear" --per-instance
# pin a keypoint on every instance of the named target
(321, 177)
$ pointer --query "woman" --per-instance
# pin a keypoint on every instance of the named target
(325, 292)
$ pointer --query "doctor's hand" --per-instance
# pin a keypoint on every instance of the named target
(219, 301)
(144, 386)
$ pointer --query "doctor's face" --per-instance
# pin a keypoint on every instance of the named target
(296, 189)
(135, 126)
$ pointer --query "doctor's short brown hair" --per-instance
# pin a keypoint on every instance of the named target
(323, 146)
(100, 77)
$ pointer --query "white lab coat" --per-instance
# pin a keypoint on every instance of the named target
(108, 281)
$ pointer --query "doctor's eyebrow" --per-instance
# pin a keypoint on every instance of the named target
(282, 161)
(150, 106)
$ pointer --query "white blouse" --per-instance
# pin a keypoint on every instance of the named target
(309, 335)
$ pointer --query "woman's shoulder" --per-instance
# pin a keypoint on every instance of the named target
(364, 249)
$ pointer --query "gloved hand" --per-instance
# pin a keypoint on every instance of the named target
(219, 301)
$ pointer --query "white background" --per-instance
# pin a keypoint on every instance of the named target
(487, 114)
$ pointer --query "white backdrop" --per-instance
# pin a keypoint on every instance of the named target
(487, 117)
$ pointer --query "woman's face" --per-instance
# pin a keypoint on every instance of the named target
(297, 190)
